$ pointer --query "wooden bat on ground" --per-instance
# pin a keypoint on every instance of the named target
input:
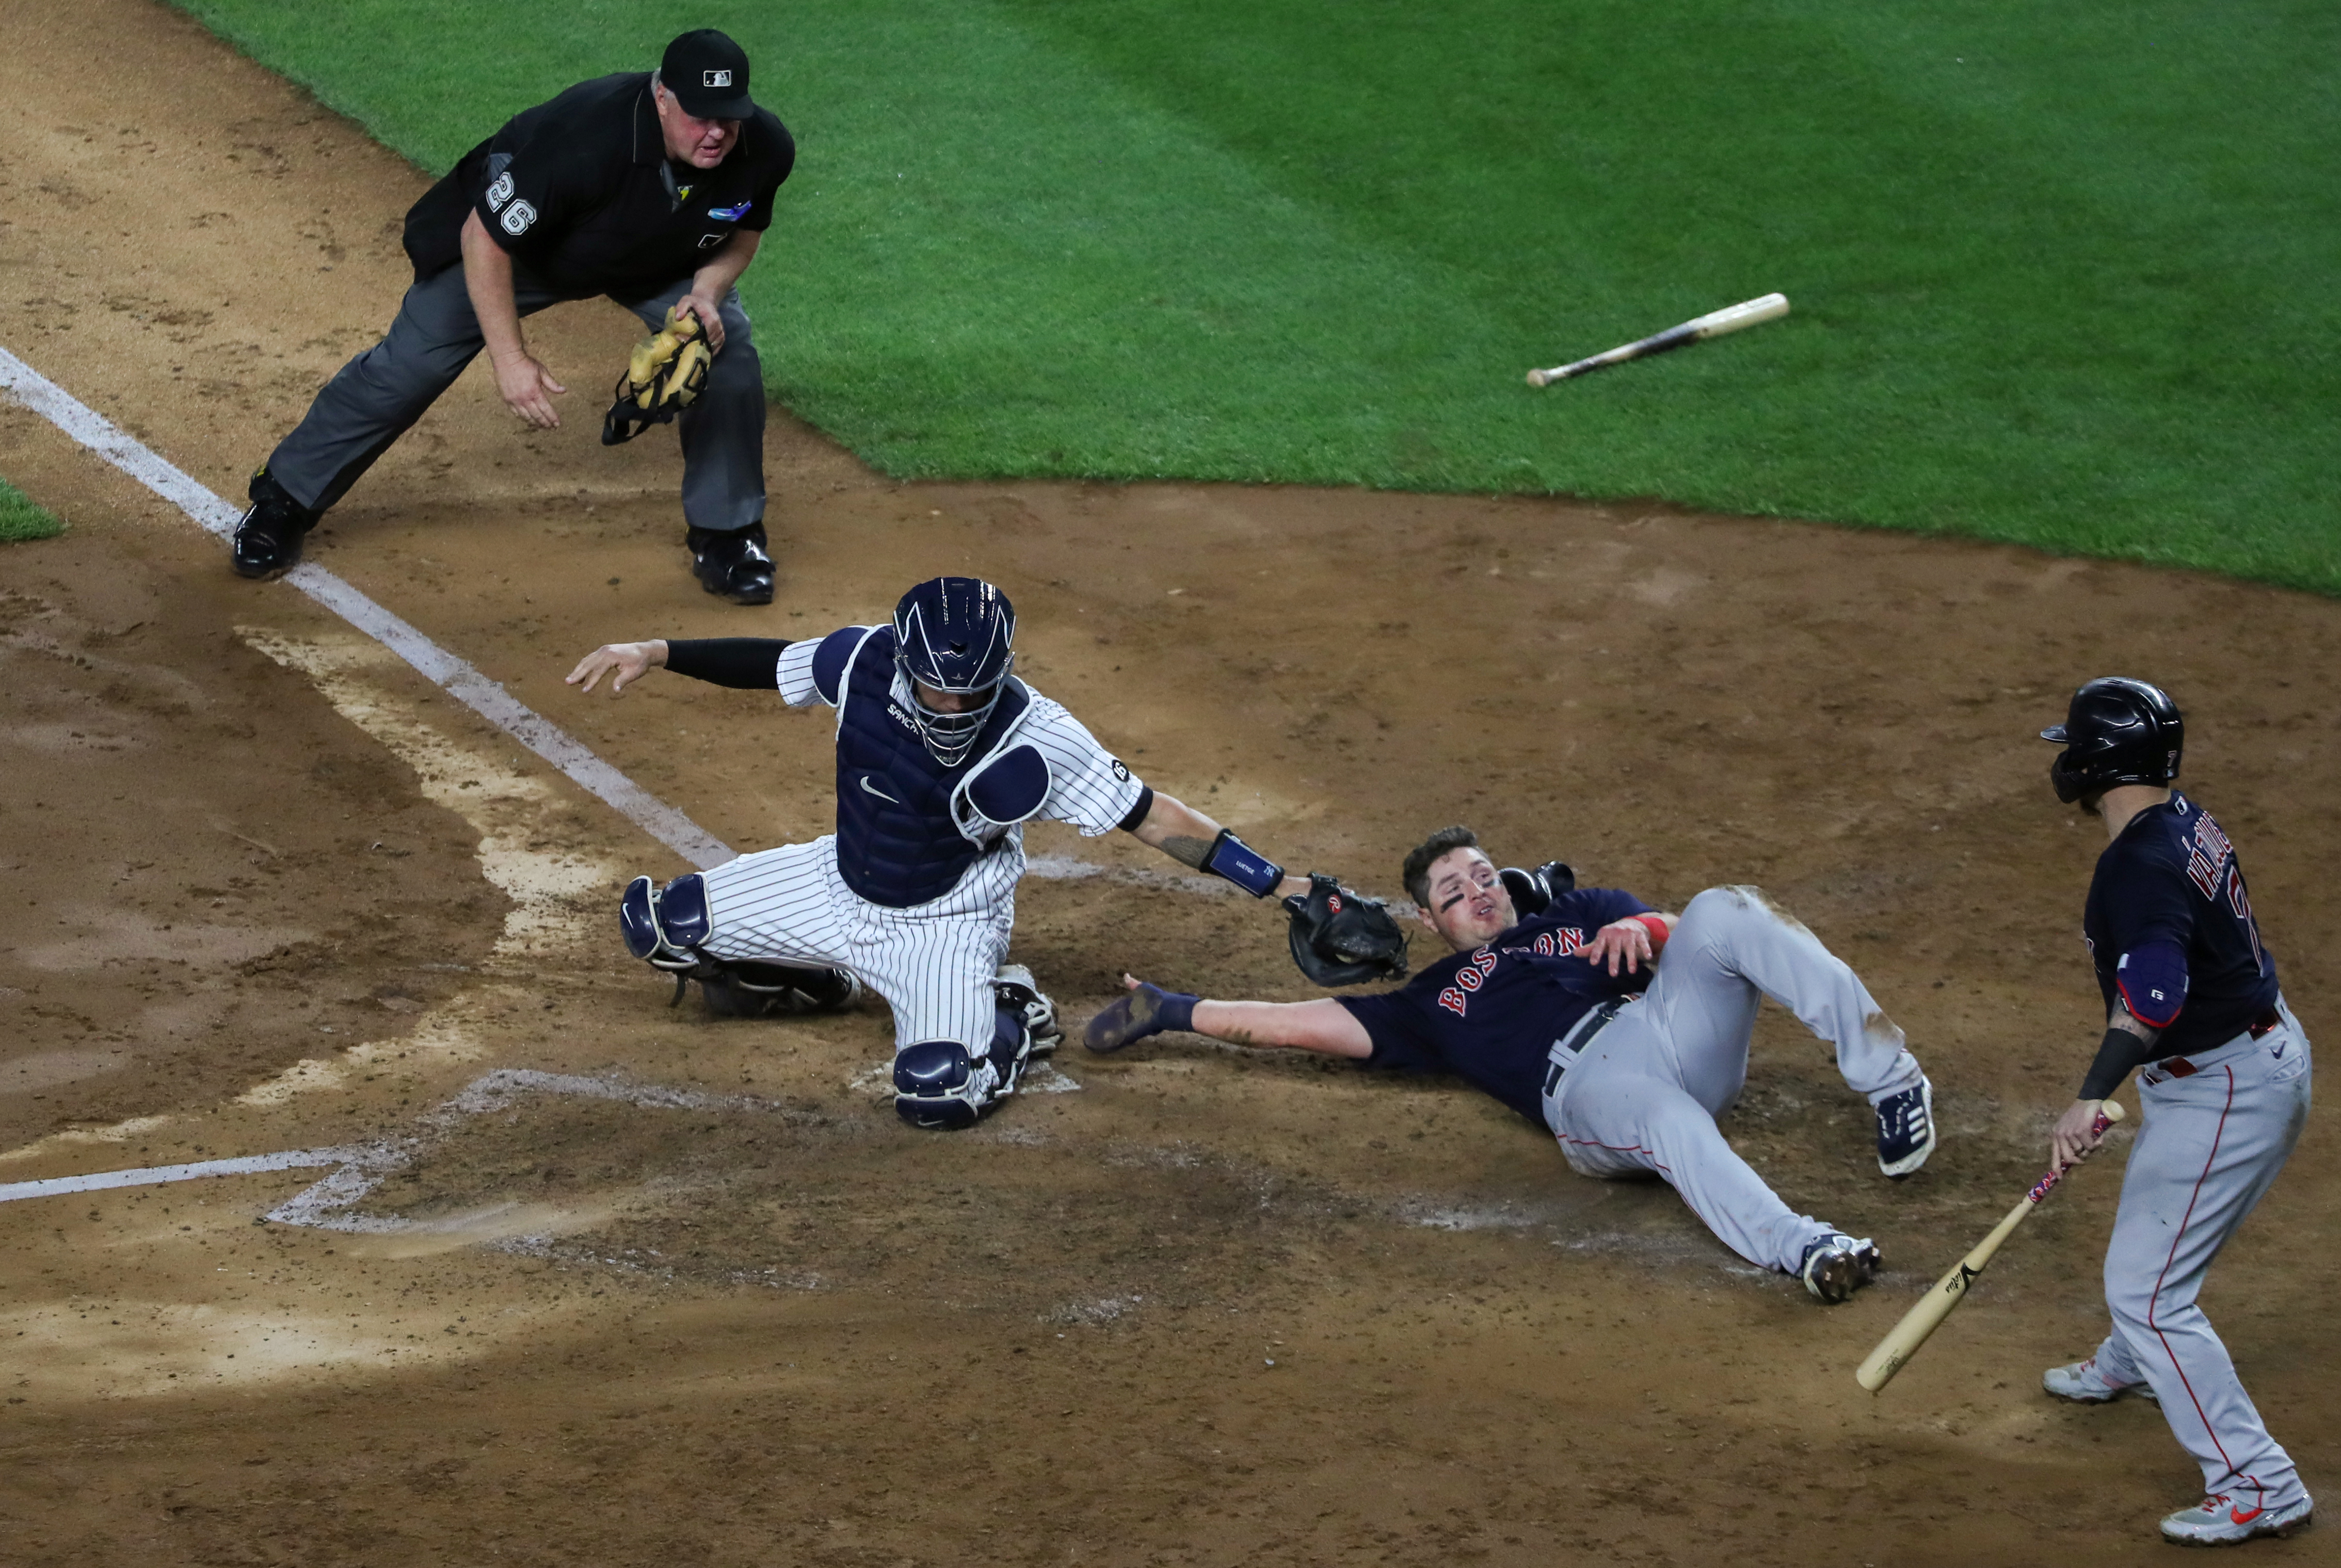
(1713, 324)
(1903, 1342)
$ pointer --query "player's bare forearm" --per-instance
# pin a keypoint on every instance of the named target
(488, 279)
(1323, 1025)
(713, 280)
(525, 385)
(1186, 835)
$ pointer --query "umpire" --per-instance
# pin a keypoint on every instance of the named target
(651, 187)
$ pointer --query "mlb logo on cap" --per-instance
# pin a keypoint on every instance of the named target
(708, 74)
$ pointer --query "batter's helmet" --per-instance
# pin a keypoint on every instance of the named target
(955, 634)
(2118, 732)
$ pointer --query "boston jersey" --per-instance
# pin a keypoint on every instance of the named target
(2169, 927)
(1490, 1016)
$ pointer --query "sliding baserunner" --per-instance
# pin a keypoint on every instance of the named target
(1620, 1030)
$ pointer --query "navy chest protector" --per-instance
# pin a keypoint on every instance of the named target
(908, 827)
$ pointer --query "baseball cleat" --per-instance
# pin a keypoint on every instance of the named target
(1836, 1265)
(2083, 1383)
(1906, 1129)
(2226, 1521)
(268, 539)
(1018, 991)
(744, 989)
(732, 564)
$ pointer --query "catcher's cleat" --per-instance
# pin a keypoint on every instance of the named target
(744, 988)
(268, 539)
(1836, 1265)
(733, 564)
(1020, 995)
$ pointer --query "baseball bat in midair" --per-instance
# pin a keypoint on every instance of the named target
(1713, 324)
(1899, 1346)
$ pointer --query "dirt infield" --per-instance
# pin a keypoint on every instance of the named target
(626, 1284)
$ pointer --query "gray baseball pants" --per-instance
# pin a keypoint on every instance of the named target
(2212, 1141)
(377, 397)
(1643, 1095)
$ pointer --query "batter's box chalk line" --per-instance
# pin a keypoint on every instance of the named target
(332, 1203)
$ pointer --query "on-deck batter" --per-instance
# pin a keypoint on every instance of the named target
(1550, 1014)
(2191, 996)
(942, 755)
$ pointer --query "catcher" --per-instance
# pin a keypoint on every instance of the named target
(1546, 1006)
(653, 188)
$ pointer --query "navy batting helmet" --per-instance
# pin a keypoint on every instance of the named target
(955, 634)
(2118, 732)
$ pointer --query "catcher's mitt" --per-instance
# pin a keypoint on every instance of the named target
(665, 376)
(1343, 938)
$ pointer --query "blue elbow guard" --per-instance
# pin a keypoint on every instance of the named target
(1246, 868)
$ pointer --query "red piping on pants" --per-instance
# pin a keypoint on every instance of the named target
(2154, 1302)
(1621, 1149)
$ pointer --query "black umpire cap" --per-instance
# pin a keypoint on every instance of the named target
(708, 74)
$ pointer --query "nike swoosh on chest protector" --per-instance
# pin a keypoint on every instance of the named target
(874, 789)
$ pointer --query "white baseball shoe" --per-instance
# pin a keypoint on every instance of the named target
(2085, 1383)
(2224, 1521)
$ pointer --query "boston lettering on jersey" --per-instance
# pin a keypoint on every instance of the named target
(2169, 927)
(1490, 1016)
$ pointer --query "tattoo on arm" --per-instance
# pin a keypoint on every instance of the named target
(1185, 850)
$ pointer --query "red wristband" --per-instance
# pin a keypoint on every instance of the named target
(1657, 926)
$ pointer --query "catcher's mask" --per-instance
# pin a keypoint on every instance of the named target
(954, 634)
(2118, 732)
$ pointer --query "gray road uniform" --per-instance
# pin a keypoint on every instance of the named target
(580, 192)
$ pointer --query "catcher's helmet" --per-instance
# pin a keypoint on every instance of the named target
(954, 634)
(2118, 732)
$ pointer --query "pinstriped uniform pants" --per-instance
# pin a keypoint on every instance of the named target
(933, 962)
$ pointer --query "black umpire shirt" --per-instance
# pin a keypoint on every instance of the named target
(580, 192)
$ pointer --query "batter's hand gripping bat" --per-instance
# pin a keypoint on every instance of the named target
(1899, 1346)
(1713, 324)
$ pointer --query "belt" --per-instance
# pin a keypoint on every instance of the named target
(2265, 1023)
(1570, 1045)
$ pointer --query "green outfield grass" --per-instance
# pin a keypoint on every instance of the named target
(20, 519)
(2062, 274)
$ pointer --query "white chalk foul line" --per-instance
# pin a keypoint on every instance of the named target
(150, 1176)
(457, 676)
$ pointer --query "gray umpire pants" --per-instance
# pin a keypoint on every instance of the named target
(2212, 1141)
(376, 397)
(1643, 1095)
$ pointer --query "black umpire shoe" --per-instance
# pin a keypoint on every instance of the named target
(732, 563)
(268, 539)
